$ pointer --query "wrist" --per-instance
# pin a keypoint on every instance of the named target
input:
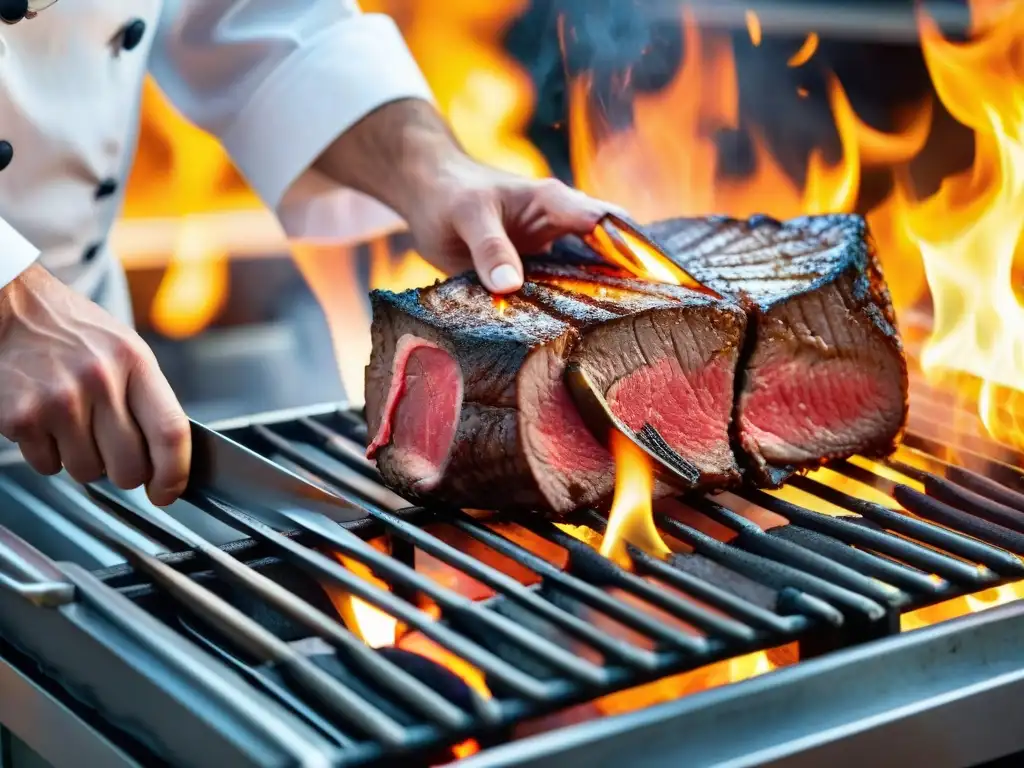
(396, 154)
(12, 295)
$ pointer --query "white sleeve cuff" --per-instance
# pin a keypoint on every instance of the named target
(16, 253)
(323, 88)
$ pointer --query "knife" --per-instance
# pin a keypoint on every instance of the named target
(227, 471)
(626, 245)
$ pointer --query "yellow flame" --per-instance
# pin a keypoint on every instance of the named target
(969, 231)
(194, 288)
(753, 27)
(806, 51)
(631, 520)
(374, 627)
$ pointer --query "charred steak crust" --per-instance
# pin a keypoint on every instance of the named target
(819, 311)
(520, 442)
(800, 363)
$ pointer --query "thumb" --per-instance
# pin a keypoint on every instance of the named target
(494, 257)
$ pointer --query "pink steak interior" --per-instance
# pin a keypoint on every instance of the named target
(421, 414)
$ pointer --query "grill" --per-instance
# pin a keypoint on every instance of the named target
(209, 637)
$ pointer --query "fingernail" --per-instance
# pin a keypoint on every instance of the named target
(505, 278)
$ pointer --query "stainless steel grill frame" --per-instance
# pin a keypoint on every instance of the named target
(821, 581)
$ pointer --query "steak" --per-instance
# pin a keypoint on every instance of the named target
(824, 375)
(466, 398)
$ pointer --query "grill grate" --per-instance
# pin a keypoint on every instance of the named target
(550, 632)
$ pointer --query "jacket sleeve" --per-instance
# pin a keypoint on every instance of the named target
(16, 253)
(277, 81)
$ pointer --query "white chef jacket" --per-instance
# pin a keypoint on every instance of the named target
(275, 80)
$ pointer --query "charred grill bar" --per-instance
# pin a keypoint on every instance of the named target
(207, 638)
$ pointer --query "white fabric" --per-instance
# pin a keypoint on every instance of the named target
(275, 81)
(18, 253)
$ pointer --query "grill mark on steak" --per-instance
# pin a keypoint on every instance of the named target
(824, 374)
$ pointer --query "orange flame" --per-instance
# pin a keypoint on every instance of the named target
(374, 627)
(631, 520)
(183, 172)
(806, 51)
(753, 27)
(379, 629)
(667, 164)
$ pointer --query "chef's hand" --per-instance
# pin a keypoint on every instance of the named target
(461, 213)
(80, 390)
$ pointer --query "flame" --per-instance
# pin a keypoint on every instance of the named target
(806, 51)
(668, 162)
(374, 627)
(484, 93)
(631, 519)
(753, 27)
(183, 172)
(670, 688)
(969, 231)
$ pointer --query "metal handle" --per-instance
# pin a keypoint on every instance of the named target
(30, 574)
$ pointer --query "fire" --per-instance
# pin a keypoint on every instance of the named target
(182, 172)
(374, 627)
(631, 520)
(668, 162)
(634, 255)
(484, 93)
(753, 27)
(806, 51)
(969, 231)
(379, 630)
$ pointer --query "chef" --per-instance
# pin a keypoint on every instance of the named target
(311, 98)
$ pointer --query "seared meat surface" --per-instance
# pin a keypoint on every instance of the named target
(797, 362)
(467, 400)
(825, 376)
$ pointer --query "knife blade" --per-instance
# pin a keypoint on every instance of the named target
(229, 472)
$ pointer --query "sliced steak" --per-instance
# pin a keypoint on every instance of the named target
(467, 402)
(824, 375)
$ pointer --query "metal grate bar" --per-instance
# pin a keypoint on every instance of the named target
(963, 498)
(752, 538)
(406, 687)
(553, 640)
(998, 560)
(326, 569)
(776, 574)
(902, 550)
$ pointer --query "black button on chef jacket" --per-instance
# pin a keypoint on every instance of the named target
(6, 154)
(13, 11)
(131, 34)
(106, 188)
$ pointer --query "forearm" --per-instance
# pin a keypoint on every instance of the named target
(392, 153)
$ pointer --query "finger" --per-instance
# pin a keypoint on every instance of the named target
(41, 454)
(75, 443)
(494, 257)
(555, 210)
(66, 415)
(165, 429)
(121, 445)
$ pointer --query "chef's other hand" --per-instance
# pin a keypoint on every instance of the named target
(461, 213)
(80, 390)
